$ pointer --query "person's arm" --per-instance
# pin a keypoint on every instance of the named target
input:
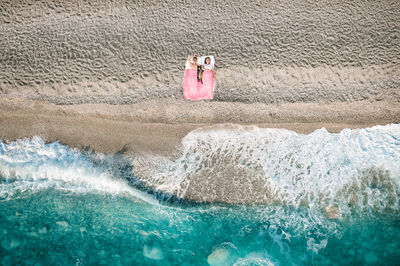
(190, 57)
(213, 72)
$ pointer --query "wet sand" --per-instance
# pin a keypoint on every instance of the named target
(158, 126)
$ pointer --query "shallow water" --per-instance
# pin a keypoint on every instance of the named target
(59, 206)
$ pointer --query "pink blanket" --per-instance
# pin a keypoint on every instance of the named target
(190, 85)
(195, 90)
(206, 88)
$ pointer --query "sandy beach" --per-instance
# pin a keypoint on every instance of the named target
(150, 133)
(295, 160)
(107, 75)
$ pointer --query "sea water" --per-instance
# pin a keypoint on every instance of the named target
(338, 198)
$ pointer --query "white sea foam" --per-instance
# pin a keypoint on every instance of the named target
(30, 165)
(356, 167)
(325, 175)
(255, 259)
(322, 175)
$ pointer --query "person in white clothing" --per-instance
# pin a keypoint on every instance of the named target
(207, 66)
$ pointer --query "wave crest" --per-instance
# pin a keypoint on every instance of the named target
(330, 171)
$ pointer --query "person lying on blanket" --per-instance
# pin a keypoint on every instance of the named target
(207, 66)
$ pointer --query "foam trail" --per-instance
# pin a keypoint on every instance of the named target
(31, 165)
(320, 170)
(321, 177)
(310, 185)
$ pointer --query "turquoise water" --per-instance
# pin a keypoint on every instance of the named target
(55, 227)
(59, 206)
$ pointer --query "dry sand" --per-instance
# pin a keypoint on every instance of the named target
(123, 52)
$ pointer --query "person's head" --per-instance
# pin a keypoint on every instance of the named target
(194, 59)
(207, 60)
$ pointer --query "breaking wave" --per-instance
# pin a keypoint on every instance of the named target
(338, 172)
(305, 185)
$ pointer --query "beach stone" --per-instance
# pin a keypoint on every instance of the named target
(43, 230)
(9, 244)
(153, 252)
(332, 212)
(33, 234)
(143, 233)
(62, 223)
(218, 257)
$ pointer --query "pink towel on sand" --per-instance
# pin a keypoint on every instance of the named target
(190, 85)
(195, 90)
(206, 88)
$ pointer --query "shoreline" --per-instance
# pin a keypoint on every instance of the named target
(157, 127)
(147, 136)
